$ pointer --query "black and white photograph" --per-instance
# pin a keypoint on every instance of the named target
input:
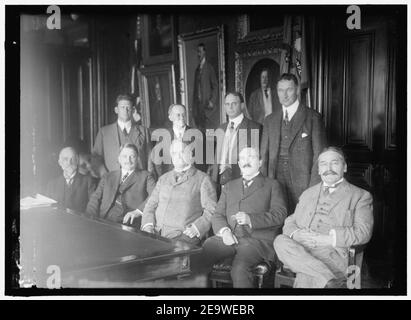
(215, 150)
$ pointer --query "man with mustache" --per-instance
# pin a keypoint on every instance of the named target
(329, 218)
(183, 201)
(249, 215)
(121, 194)
(71, 189)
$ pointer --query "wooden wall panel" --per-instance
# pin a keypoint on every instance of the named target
(358, 88)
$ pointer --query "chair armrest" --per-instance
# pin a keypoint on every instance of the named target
(353, 251)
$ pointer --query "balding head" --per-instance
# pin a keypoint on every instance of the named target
(68, 160)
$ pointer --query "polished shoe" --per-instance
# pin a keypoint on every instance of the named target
(337, 283)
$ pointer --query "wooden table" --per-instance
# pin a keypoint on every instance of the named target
(62, 247)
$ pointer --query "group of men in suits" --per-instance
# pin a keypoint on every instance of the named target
(261, 174)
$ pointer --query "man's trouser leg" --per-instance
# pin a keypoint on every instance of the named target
(300, 260)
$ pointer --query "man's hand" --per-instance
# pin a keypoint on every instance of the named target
(130, 216)
(321, 240)
(229, 238)
(191, 231)
(242, 218)
(210, 105)
(312, 239)
(148, 228)
(304, 237)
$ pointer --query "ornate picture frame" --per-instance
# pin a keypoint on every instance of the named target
(157, 92)
(158, 38)
(213, 39)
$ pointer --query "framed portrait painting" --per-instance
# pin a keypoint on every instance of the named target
(158, 38)
(157, 91)
(202, 76)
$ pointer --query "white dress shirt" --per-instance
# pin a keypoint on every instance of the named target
(123, 125)
(291, 110)
(268, 107)
(179, 132)
(237, 120)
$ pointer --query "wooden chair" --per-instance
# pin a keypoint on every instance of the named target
(220, 276)
(284, 277)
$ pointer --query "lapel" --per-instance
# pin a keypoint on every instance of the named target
(257, 184)
(275, 133)
(339, 194)
(312, 202)
(189, 173)
(220, 145)
(112, 136)
(136, 135)
(130, 181)
(113, 180)
(60, 189)
(298, 121)
(75, 182)
(261, 100)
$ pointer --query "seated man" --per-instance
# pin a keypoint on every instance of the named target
(249, 215)
(329, 218)
(183, 200)
(71, 189)
(122, 191)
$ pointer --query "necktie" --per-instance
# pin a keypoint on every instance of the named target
(124, 178)
(179, 175)
(286, 121)
(266, 93)
(125, 132)
(247, 183)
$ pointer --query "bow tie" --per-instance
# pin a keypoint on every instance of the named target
(329, 189)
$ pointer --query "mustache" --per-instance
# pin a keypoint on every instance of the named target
(328, 172)
(247, 165)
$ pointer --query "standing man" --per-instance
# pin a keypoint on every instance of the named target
(183, 201)
(177, 114)
(330, 217)
(248, 217)
(205, 100)
(124, 130)
(71, 189)
(239, 132)
(262, 100)
(293, 137)
(122, 191)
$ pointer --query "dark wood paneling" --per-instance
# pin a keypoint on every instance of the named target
(358, 69)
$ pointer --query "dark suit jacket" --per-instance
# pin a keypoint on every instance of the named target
(247, 124)
(208, 87)
(256, 104)
(263, 201)
(77, 194)
(107, 145)
(308, 140)
(134, 191)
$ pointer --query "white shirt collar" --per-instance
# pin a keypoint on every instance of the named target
(202, 62)
(268, 90)
(237, 120)
(184, 169)
(68, 179)
(292, 109)
(124, 172)
(253, 176)
(333, 186)
(178, 131)
(123, 125)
